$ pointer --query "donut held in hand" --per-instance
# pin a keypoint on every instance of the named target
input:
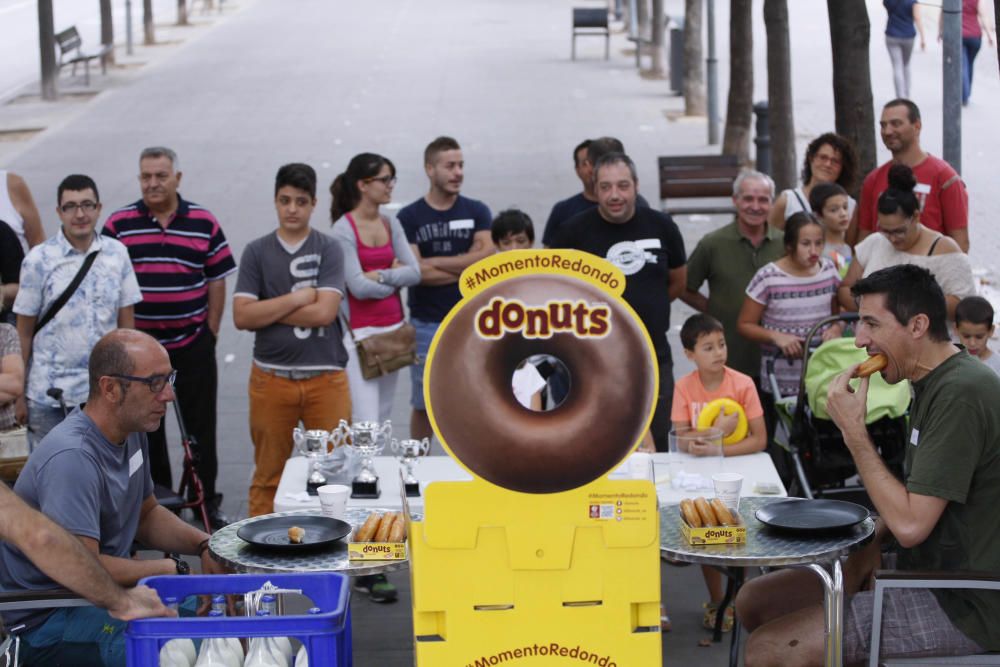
(871, 365)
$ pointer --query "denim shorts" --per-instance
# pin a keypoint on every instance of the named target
(425, 334)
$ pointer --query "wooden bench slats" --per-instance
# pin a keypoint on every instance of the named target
(697, 176)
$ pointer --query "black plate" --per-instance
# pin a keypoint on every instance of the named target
(272, 532)
(810, 516)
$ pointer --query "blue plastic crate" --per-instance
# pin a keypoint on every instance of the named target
(327, 635)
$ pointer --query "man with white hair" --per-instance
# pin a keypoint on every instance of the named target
(728, 258)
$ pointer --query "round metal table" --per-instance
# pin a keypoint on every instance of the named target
(239, 556)
(768, 548)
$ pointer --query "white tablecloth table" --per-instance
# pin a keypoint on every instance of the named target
(755, 468)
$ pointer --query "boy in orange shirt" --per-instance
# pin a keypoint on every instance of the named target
(704, 343)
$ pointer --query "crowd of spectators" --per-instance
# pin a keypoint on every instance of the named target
(124, 320)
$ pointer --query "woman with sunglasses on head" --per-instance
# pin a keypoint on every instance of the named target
(904, 240)
(830, 158)
(378, 262)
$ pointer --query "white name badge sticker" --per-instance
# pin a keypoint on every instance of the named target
(464, 223)
(649, 244)
(915, 437)
(922, 188)
(135, 463)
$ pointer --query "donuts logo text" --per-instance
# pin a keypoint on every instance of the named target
(580, 318)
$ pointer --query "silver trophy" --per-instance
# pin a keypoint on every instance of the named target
(409, 452)
(367, 440)
(314, 444)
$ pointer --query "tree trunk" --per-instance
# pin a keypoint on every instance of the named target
(850, 33)
(658, 53)
(182, 12)
(739, 110)
(642, 18)
(148, 34)
(779, 92)
(47, 50)
(107, 31)
(996, 19)
(694, 72)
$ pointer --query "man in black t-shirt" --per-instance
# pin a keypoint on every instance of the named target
(647, 246)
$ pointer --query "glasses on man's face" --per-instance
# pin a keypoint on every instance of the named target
(386, 180)
(156, 383)
(71, 206)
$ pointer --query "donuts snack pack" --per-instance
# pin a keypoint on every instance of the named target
(557, 562)
(710, 522)
(382, 536)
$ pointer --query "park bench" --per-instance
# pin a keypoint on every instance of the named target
(698, 177)
(71, 52)
(591, 21)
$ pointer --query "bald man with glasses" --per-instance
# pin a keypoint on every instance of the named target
(91, 475)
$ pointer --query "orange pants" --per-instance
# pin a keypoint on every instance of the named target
(277, 405)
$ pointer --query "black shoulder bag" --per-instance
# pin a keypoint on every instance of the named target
(67, 293)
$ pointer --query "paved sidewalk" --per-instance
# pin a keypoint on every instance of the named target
(271, 82)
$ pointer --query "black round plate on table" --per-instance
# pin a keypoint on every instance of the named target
(272, 532)
(811, 516)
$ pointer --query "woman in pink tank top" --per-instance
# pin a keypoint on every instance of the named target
(378, 263)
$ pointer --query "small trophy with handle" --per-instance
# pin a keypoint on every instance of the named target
(367, 439)
(409, 452)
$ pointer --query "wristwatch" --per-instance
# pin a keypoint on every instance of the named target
(381, 278)
(182, 566)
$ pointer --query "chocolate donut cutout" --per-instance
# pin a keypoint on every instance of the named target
(480, 422)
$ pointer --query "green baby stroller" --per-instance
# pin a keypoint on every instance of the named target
(823, 466)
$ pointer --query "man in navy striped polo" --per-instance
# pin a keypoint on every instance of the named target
(181, 259)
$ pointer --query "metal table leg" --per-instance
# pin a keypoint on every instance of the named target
(833, 609)
(734, 580)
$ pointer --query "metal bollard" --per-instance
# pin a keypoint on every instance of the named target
(677, 56)
(763, 139)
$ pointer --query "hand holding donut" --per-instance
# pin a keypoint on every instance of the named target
(848, 407)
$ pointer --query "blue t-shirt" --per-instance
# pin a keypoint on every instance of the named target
(441, 234)
(86, 484)
(900, 23)
(568, 208)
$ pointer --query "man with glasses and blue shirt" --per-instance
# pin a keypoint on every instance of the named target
(91, 475)
(60, 318)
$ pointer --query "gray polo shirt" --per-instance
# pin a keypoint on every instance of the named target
(88, 485)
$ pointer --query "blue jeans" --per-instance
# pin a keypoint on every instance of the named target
(41, 419)
(76, 637)
(425, 334)
(970, 48)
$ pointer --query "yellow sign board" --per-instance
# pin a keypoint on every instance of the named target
(540, 559)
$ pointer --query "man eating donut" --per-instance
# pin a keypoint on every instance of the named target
(941, 518)
(647, 246)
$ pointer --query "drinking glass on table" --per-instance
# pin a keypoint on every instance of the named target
(697, 442)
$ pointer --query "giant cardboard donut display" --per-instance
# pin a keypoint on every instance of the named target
(561, 303)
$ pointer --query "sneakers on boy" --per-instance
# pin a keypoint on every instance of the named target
(377, 587)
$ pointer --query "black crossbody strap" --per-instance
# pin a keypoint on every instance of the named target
(70, 289)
